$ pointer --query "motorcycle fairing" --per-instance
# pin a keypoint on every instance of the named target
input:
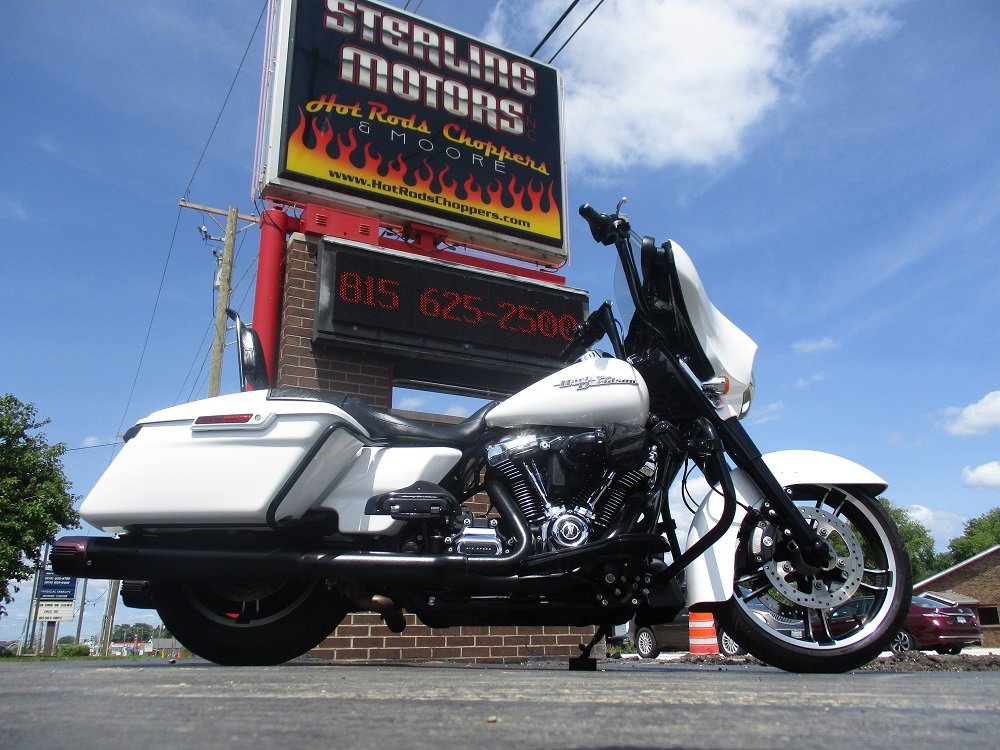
(710, 577)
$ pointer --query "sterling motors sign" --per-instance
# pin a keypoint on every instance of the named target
(384, 113)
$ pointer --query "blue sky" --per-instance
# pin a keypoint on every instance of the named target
(832, 168)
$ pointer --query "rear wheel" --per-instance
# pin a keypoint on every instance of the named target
(253, 623)
(871, 566)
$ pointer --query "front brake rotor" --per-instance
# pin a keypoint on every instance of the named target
(807, 586)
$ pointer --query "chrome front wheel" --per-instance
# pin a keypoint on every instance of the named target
(833, 618)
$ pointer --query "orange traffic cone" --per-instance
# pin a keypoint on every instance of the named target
(701, 633)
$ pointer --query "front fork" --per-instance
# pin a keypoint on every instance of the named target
(816, 552)
(713, 445)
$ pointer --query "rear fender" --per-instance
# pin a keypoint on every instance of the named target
(710, 577)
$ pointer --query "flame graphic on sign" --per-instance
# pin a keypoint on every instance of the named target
(528, 206)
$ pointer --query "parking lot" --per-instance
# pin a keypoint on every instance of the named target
(625, 704)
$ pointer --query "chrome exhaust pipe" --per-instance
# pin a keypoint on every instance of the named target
(107, 557)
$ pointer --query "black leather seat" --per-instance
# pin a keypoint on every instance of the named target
(395, 429)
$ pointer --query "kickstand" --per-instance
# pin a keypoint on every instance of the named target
(585, 662)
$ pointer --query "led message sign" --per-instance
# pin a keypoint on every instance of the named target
(420, 309)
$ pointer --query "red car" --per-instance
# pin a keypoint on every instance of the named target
(930, 625)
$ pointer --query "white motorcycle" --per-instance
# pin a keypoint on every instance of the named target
(254, 522)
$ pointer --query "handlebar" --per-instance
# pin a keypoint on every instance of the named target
(605, 228)
(599, 323)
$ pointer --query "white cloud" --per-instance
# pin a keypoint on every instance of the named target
(856, 23)
(13, 207)
(92, 440)
(46, 144)
(985, 475)
(411, 403)
(803, 383)
(815, 346)
(975, 419)
(942, 524)
(655, 82)
(766, 413)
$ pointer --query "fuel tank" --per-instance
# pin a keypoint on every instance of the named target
(594, 391)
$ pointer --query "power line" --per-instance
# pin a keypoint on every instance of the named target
(149, 328)
(554, 27)
(173, 236)
(88, 447)
(229, 93)
(563, 46)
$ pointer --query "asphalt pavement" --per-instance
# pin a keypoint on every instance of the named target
(624, 704)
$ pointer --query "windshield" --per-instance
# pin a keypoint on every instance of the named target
(624, 304)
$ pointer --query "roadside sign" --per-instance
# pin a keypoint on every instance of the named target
(379, 112)
(55, 611)
(57, 588)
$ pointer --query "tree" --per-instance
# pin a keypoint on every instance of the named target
(35, 501)
(141, 631)
(980, 534)
(919, 543)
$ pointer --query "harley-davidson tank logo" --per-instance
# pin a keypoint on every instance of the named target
(594, 381)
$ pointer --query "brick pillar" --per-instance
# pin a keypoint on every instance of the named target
(362, 636)
(330, 369)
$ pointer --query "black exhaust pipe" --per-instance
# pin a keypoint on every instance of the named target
(156, 560)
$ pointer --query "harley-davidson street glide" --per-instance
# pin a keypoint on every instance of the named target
(254, 522)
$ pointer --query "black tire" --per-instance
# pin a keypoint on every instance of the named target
(728, 645)
(872, 565)
(902, 643)
(248, 624)
(645, 643)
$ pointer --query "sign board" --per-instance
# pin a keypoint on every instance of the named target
(55, 611)
(380, 112)
(492, 331)
(56, 587)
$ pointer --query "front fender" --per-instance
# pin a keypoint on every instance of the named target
(710, 577)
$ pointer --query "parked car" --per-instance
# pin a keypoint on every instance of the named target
(930, 625)
(651, 639)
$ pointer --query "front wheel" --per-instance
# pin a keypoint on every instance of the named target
(803, 618)
(254, 623)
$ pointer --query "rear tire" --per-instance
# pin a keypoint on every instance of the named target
(872, 564)
(248, 624)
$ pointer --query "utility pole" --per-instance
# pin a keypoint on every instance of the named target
(83, 606)
(109, 617)
(225, 287)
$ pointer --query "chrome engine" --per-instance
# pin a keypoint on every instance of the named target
(572, 487)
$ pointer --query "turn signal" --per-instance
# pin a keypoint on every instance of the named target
(232, 422)
(223, 419)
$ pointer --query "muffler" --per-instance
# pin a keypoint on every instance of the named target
(174, 560)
